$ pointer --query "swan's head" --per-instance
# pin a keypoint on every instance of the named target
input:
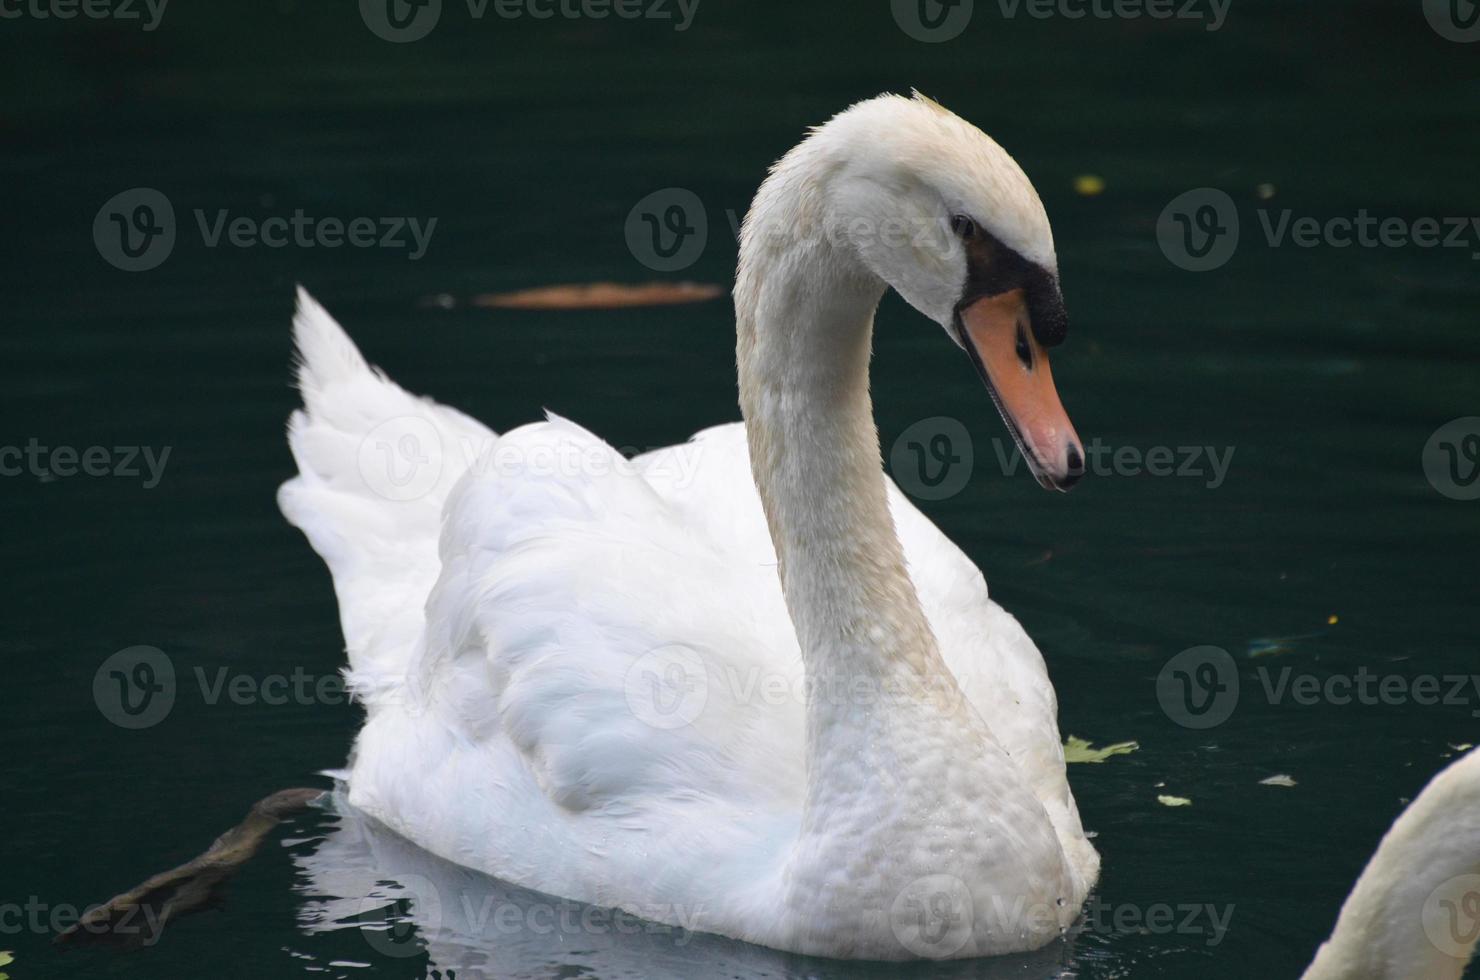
(936, 209)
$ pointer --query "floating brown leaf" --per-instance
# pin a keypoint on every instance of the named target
(601, 296)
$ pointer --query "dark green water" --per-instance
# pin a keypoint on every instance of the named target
(1324, 370)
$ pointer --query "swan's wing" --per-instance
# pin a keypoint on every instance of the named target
(539, 636)
(999, 668)
(589, 654)
(578, 589)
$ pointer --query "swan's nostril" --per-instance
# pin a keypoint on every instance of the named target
(1074, 468)
(1075, 461)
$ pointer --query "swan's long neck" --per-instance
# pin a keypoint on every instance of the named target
(1415, 912)
(805, 310)
(905, 783)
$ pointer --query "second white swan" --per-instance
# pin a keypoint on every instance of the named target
(740, 685)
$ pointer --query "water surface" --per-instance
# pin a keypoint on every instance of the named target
(1323, 370)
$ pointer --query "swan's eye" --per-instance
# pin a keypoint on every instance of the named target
(963, 226)
(1024, 352)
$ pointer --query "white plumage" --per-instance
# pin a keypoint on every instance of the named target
(582, 672)
(1415, 911)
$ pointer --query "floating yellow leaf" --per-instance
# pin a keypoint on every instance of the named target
(1174, 801)
(1089, 185)
(1077, 749)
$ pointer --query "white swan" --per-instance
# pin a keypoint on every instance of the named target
(1415, 912)
(592, 677)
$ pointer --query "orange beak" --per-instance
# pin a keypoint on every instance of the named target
(996, 333)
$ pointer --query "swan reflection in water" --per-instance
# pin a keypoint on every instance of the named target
(408, 903)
